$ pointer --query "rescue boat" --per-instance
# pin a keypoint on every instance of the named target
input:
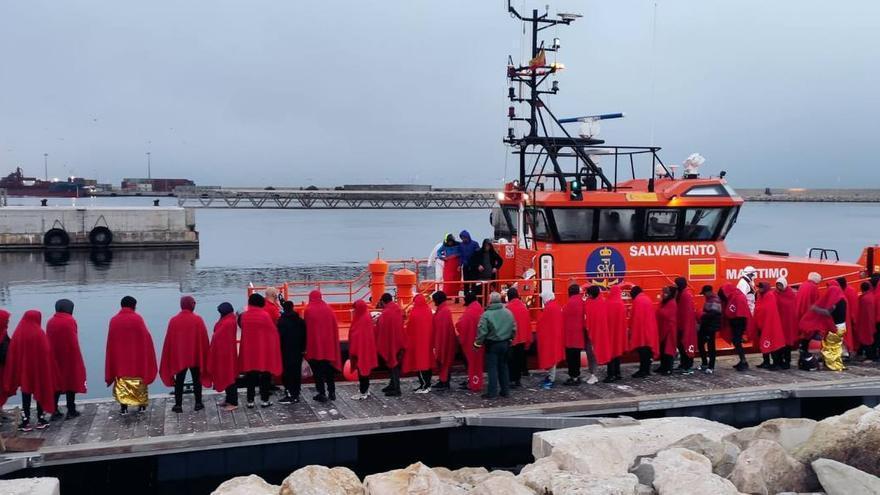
(587, 212)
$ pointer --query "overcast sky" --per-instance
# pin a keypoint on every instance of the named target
(778, 93)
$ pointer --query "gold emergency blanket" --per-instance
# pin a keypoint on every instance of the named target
(130, 391)
(832, 349)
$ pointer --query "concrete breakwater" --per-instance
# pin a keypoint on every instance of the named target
(811, 195)
(622, 456)
(29, 227)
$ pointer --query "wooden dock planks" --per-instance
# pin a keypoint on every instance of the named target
(102, 432)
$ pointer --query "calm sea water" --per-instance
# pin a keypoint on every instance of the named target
(261, 246)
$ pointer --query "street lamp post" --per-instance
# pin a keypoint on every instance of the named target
(148, 165)
(46, 165)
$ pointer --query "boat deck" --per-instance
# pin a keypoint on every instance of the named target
(101, 432)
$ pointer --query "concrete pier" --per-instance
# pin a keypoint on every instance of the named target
(29, 227)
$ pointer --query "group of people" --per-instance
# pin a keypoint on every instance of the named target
(275, 341)
(463, 263)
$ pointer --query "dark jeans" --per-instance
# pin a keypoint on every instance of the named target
(666, 362)
(292, 376)
(262, 379)
(613, 368)
(738, 327)
(394, 382)
(363, 383)
(178, 386)
(424, 378)
(71, 400)
(325, 377)
(232, 395)
(573, 360)
(706, 344)
(645, 355)
(516, 363)
(496, 366)
(26, 407)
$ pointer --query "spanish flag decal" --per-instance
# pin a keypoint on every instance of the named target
(701, 269)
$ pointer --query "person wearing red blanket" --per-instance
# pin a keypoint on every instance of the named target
(223, 356)
(615, 341)
(418, 356)
(875, 281)
(444, 339)
(272, 307)
(322, 345)
(130, 360)
(450, 254)
(786, 302)
(808, 294)
(865, 327)
(259, 355)
(517, 366)
(362, 347)
(63, 337)
(667, 324)
(686, 325)
(644, 337)
(768, 333)
(550, 338)
(576, 338)
(29, 365)
(4, 349)
(852, 310)
(185, 348)
(467, 332)
(390, 342)
(596, 311)
(826, 321)
(736, 316)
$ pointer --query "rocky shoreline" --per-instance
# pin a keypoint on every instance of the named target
(621, 456)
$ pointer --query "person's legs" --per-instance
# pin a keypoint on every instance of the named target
(685, 361)
(363, 383)
(492, 368)
(178, 390)
(330, 378)
(591, 356)
(57, 400)
(318, 375)
(645, 355)
(232, 395)
(513, 364)
(252, 377)
(26, 407)
(738, 326)
(71, 405)
(712, 352)
(875, 349)
(265, 386)
(701, 348)
(573, 360)
(196, 375)
(503, 370)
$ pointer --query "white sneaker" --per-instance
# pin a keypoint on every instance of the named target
(364, 396)
(592, 380)
(424, 390)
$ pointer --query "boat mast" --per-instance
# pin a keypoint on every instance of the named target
(538, 142)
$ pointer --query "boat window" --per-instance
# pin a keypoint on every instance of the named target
(499, 222)
(732, 213)
(537, 224)
(661, 223)
(709, 190)
(700, 224)
(617, 225)
(574, 224)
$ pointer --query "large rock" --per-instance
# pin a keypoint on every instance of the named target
(246, 485)
(501, 485)
(644, 470)
(604, 451)
(788, 432)
(30, 486)
(766, 468)
(722, 454)
(564, 483)
(416, 479)
(681, 471)
(832, 437)
(539, 475)
(321, 480)
(839, 479)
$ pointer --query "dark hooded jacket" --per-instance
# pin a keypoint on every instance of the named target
(486, 258)
(292, 331)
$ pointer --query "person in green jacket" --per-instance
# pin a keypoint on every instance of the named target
(496, 329)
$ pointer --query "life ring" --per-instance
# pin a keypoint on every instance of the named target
(56, 238)
(100, 236)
